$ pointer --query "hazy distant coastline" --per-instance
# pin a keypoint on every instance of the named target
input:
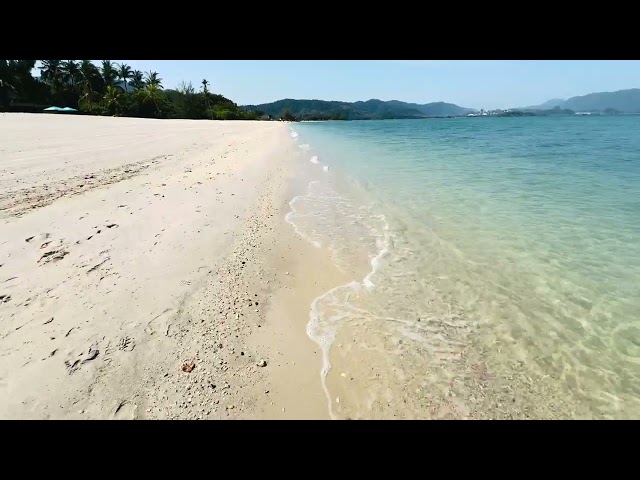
(603, 103)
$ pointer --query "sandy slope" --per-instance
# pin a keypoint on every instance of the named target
(132, 247)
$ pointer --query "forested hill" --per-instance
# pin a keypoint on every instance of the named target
(625, 101)
(369, 110)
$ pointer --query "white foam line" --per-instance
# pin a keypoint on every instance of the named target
(289, 217)
(376, 261)
(325, 341)
(314, 329)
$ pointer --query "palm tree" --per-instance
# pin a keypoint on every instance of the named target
(52, 75)
(124, 72)
(16, 73)
(89, 74)
(137, 80)
(22, 67)
(88, 96)
(90, 81)
(15, 77)
(4, 69)
(205, 91)
(151, 93)
(109, 73)
(51, 72)
(153, 79)
(111, 99)
(70, 72)
(5, 82)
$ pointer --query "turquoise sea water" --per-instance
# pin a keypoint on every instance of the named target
(495, 265)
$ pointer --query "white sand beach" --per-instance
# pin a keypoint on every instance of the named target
(146, 271)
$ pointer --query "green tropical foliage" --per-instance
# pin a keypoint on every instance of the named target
(124, 73)
(70, 72)
(109, 72)
(151, 78)
(51, 72)
(95, 90)
(16, 81)
(137, 79)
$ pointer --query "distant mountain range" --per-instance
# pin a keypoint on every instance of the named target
(369, 110)
(623, 101)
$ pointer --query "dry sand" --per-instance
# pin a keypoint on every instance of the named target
(132, 250)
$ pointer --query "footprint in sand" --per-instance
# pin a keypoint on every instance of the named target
(85, 357)
(126, 344)
(53, 255)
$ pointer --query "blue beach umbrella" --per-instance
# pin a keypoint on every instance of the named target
(53, 109)
(68, 109)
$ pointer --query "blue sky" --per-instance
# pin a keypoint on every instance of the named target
(468, 83)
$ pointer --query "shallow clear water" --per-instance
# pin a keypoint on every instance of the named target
(495, 265)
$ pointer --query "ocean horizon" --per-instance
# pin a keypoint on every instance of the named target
(494, 265)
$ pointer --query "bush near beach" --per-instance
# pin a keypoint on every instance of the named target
(109, 89)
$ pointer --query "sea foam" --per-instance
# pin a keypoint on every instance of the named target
(323, 326)
(384, 245)
(290, 216)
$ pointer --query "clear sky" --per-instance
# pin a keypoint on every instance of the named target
(469, 83)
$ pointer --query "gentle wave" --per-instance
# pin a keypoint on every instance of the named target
(291, 215)
(496, 268)
(325, 335)
(313, 217)
(376, 260)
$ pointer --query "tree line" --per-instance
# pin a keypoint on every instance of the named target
(108, 89)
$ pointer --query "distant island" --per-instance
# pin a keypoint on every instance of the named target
(621, 101)
(369, 110)
(604, 103)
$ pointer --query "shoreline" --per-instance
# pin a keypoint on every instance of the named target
(103, 325)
